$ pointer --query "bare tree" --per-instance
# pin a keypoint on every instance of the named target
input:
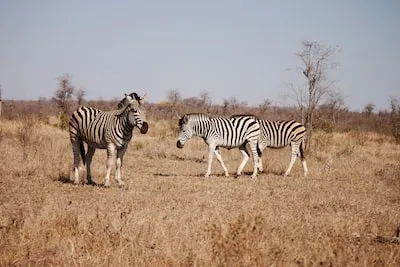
(80, 93)
(335, 103)
(63, 98)
(395, 117)
(265, 105)
(205, 100)
(174, 98)
(316, 62)
(225, 106)
(1, 100)
(64, 93)
(369, 108)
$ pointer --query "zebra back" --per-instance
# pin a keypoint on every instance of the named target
(226, 132)
(281, 133)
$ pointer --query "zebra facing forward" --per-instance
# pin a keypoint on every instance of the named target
(222, 132)
(279, 134)
(111, 130)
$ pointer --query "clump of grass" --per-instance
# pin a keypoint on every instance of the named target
(240, 243)
(28, 138)
(347, 150)
(359, 137)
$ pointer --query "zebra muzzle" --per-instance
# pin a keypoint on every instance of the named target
(145, 128)
(179, 144)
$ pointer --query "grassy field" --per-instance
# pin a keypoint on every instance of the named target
(345, 213)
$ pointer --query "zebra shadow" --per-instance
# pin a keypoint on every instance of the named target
(194, 159)
(199, 175)
(64, 179)
(67, 180)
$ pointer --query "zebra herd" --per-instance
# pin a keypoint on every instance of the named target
(112, 130)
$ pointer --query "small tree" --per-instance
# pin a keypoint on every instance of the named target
(316, 61)
(369, 108)
(335, 103)
(205, 100)
(0, 101)
(80, 93)
(174, 98)
(265, 105)
(395, 117)
(63, 98)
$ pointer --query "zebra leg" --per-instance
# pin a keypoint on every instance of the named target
(245, 155)
(120, 156)
(303, 160)
(88, 158)
(211, 151)
(75, 150)
(219, 157)
(110, 156)
(256, 158)
(260, 149)
(295, 152)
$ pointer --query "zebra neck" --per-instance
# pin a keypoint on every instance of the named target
(201, 128)
(127, 125)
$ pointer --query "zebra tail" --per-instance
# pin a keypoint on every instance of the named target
(82, 150)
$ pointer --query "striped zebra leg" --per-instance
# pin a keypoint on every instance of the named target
(77, 149)
(89, 157)
(211, 151)
(219, 158)
(245, 158)
(110, 156)
(256, 161)
(303, 160)
(260, 149)
(295, 154)
(120, 156)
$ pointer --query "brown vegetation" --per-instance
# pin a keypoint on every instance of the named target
(345, 213)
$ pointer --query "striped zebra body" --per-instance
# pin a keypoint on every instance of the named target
(279, 134)
(111, 130)
(222, 132)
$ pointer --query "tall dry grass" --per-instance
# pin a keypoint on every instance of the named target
(345, 213)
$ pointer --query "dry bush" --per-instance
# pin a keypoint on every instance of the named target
(169, 215)
(240, 244)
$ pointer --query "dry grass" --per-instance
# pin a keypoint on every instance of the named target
(168, 215)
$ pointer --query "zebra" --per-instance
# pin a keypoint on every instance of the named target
(221, 132)
(279, 134)
(111, 130)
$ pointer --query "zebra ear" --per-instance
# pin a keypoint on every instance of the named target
(142, 99)
(179, 117)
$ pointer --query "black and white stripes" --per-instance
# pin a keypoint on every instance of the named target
(111, 130)
(279, 134)
(222, 132)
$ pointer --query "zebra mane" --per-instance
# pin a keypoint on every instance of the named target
(125, 102)
(198, 116)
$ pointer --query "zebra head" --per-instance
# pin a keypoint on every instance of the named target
(185, 131)
(136, 116)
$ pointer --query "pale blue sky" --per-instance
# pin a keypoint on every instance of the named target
(228, 48)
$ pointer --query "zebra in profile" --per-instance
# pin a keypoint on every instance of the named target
(222, 132)
(279, 134)
(111, 130)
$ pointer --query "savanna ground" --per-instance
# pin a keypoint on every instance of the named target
(345, 213)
